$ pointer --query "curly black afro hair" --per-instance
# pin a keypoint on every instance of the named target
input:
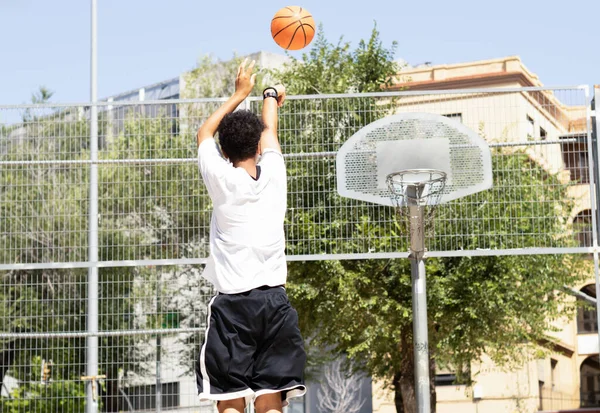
(239, 134)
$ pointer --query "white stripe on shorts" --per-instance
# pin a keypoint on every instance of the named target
(205, 378)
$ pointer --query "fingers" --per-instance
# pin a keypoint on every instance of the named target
(280, 89)
(241, 68)
(245, 70)
(245, 79)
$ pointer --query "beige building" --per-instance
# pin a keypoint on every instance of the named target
(569, 378)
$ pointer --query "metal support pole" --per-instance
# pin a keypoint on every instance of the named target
(420, 339)
(158, 346)
(92, 316)
(419, 296)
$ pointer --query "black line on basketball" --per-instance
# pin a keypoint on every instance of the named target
(275, 35)
(294, 35)
(309, 25)
(283, 17)
(306, 17)
(304, 31)
(292, 10)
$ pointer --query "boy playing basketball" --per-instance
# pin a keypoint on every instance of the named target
(252, 348)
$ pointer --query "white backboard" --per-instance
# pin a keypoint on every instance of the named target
(413, 141)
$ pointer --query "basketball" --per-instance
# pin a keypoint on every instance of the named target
(293, 28)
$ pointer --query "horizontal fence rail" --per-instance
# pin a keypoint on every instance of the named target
(581, 139)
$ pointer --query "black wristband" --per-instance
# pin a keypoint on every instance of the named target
(270, 92)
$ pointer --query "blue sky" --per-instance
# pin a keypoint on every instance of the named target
(143, 42)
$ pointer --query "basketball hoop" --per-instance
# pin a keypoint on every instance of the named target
(415, 193)
(418, 187)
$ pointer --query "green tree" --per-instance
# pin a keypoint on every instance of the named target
(162, 211)
(501, 306)
(153, 211)
(64, 397)
(37, 396)
(335, 68)
(41, 212)
(42, 95)
(213, 78)
(44, 219)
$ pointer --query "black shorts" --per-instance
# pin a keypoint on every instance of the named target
(252, 347)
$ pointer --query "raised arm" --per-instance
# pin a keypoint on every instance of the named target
(244, 82)
(271, 103)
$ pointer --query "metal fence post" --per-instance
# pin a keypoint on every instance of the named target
(160, 316)
(92, 316)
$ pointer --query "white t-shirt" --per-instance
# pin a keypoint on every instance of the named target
(247, 241)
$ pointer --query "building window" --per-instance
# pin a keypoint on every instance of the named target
(553, 373)
(455, 116)
(541, 395)
(144, 397)
(590, 382)
(447, 377)
(587, 319)
(582, 228)
(530, 128)
(543, 134)
(575, 157)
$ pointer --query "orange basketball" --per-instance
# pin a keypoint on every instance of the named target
(293, 28)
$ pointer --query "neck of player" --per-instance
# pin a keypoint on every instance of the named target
(249, 165)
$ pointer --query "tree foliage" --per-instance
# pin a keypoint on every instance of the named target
(476, 305)
(146, 212)
(44, 212)
(42, 95)
(213, 78)
(336, 68)
(150, 211)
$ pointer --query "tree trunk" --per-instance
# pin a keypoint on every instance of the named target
(406, 384)
(432, 393)
(111, 398)
(398, 393)
(405, 396)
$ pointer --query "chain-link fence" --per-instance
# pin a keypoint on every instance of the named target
(154, 214)
(153, 208)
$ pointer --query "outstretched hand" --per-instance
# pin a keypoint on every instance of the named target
(245, 80)
(280, 94)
